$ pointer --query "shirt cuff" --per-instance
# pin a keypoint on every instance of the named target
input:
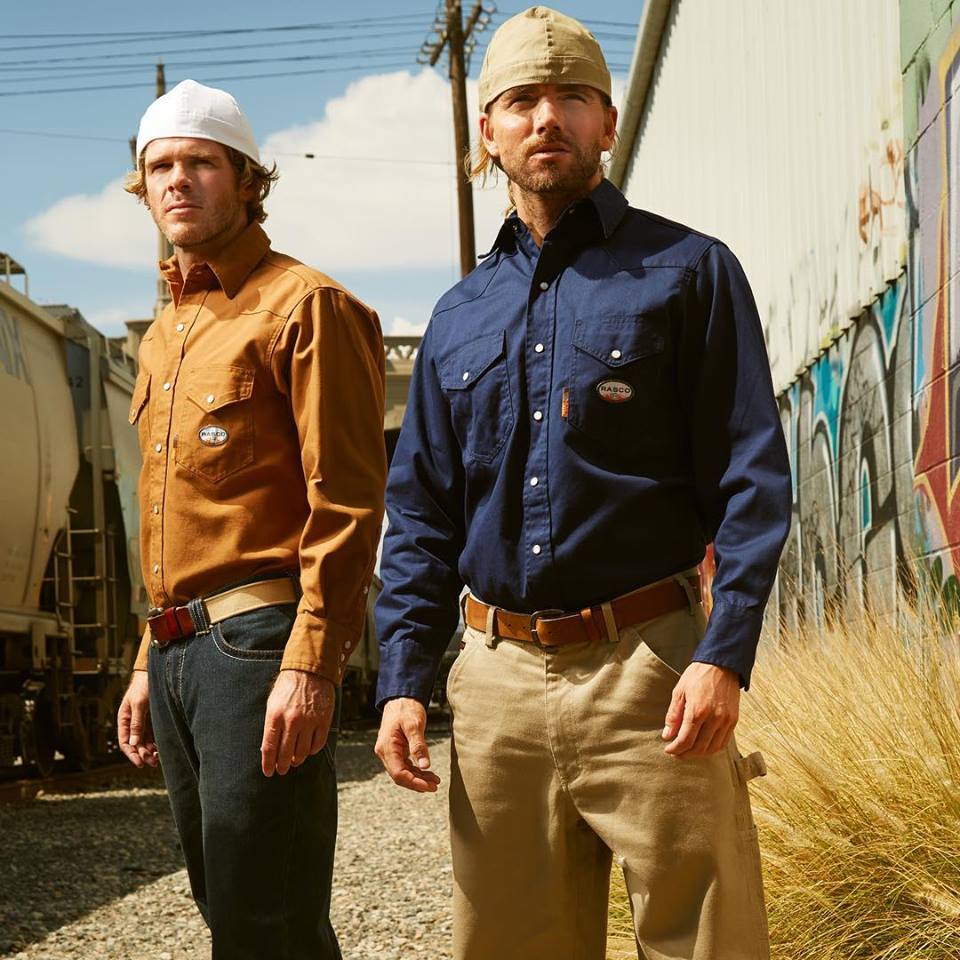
(406, 670)
(320, 646)
(141, 662)
(731, 638)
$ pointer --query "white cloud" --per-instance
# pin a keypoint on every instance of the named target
(110, 228)
(372, 209)
(386, 211)
(401, 327)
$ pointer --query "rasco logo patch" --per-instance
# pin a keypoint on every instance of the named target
(614, 391)
(213, 436)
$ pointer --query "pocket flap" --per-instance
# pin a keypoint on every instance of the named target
(216, 386)
(141, 393)
(751, 766)
(465, 366)
(616, 341)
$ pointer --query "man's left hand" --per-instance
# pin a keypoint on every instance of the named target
(299, 712)
(703, 711)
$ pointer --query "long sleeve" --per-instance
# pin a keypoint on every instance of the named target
(417, 610)
(741, 468)
(329, 362)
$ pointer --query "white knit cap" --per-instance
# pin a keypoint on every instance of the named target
(192, 110)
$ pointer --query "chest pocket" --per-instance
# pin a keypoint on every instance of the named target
(215, 421)
(620, 388)
(475, 380)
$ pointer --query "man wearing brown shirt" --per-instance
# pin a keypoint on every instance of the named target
(259, 405)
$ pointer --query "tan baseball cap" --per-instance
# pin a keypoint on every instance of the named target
(541, 45)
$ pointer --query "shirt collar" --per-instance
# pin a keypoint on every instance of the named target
(603, 208)
(229, 268)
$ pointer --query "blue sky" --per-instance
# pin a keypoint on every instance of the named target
(375, 209)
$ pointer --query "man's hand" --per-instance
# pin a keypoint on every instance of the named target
(297, 721)
(703, 711)
(134, 730)
(402, 748)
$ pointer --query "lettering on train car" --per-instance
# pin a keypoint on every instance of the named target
(11, 350)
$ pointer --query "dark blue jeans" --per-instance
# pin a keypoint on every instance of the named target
(259, 850)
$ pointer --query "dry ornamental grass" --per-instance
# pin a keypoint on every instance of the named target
(859, 817)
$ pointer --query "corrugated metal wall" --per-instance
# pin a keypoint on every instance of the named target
(777, 126)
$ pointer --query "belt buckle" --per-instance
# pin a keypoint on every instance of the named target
(537, 615)
(172, 627)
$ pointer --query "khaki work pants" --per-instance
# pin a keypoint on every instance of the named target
(557, 765)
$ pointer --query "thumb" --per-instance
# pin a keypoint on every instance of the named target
(413, 730)
(674, 715)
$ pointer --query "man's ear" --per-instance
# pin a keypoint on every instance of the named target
(610, 129)
(486, 134)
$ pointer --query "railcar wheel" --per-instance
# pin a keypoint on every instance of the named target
(38, 738)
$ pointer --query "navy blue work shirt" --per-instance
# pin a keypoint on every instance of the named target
(583, 418)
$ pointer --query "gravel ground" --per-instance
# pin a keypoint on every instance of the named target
(97, 875)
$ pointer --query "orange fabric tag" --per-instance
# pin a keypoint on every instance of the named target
(565, 404)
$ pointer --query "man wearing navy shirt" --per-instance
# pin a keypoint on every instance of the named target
(590, 407)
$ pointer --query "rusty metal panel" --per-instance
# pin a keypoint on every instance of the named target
(777, 126)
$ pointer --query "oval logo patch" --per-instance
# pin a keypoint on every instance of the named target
(213, 436)
(614, 391)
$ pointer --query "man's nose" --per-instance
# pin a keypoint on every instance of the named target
(179, 178)
(547, 116)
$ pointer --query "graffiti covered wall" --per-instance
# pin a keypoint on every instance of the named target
(873, 424)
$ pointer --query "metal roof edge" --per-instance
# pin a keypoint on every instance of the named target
(646, 55)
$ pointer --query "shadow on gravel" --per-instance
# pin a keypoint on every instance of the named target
(63, 855)
(60, 858)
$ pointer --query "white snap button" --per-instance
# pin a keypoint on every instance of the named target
(534, 481)
(616, 354)
(539, 348)
(166, 386)
(536, 548)
(158, 447)
(538, 415)
(209, 398)
(179, 328)
(156, 508)
(466, 375)
(156, 568)
(544, 285)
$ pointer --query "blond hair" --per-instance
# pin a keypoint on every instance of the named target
(249, 174)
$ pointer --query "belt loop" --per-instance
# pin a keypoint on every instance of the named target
(613, 634)
(198, 614)
(491, 638)
(688, 590)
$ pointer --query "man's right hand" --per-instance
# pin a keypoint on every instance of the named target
(402, 748)
(134, 730)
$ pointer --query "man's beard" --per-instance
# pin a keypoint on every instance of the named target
(552, 181)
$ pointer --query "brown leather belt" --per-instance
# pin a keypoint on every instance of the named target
(177, 623)
(555, 628)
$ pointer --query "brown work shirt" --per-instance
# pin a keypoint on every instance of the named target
(259, 404)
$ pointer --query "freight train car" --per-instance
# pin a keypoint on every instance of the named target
(71, 595)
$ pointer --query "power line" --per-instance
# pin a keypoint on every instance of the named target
(68, 62)
(233, 31)
(242, 76)
(298, 156)
(133, 68)
(148, 33)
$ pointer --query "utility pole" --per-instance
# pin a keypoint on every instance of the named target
(164, 248)
(460, 42)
